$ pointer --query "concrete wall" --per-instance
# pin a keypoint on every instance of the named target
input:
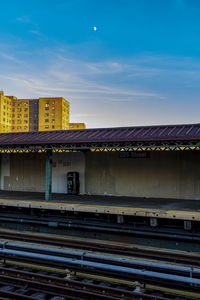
(26, 172)
(64, 163)
(23, 172)
(164, 174)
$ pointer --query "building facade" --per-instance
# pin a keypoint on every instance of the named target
(43, 114)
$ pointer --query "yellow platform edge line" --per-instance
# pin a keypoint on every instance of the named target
(137, 211)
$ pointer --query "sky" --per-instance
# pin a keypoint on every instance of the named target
(118, 62)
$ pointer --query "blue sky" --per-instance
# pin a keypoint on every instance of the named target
(141, 66)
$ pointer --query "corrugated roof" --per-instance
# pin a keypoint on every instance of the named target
(187, 132)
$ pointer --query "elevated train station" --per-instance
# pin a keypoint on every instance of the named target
(150, 171)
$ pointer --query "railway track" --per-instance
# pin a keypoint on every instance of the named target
(180, 277)
(104, 246)
(20, 284)
(177, 270)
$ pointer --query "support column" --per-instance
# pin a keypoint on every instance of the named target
(48, 175)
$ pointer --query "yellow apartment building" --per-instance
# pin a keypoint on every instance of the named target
(43, 114)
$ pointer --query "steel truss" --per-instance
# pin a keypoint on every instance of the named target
(105, 147)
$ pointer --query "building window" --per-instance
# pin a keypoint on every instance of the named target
(13, 127)
(19, 109)
(18, 127)
(53, 102)
(19, 103)
(4, 107)
(53, 126)
(25, 116)
(4, 113)
(46, 115)
(25, 109)
(19, 121)
(25, 122)
(25, 127)
(13, 121)
(53, 107)
(25, 103)
(47, 126)
(4, 119)
(53, 114)
(46, 120)
(13, 109)
(47, 102)
(19, 116)
(46, 108)
(53, 120)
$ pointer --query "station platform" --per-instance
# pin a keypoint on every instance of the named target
(143, 207)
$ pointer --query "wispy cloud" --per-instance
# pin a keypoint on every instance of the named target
(23, 19)
(99, 91)
(35, 32)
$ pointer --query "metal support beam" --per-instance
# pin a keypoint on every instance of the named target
(48, 175)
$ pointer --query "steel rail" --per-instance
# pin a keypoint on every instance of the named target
(63, 287)
(148, 265)
(101, 246)
(115, 271)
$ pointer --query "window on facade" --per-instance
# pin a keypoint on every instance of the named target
(13, 121)
(53, 114)
(53, 126)
(4, 107)
(25, 109)
(19, 104)
(25, 116)
(46, 115)
(13, 109)
(47, 102)
(47, 126)
(46, 108)
(46, 120)
(19, 121)
(25, 103)
(53, 107)
(4, 113)
(4, 119)
(53, 120)
(53, 102)
(19, 116)
(25, 127)
(18, 127)
(13, 127)
(25, 121)
(19, 109)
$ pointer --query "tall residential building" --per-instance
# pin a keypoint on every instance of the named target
(19, 115)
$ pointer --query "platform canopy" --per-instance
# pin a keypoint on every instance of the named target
(160, 137)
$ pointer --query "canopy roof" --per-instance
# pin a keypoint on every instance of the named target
(138, 136)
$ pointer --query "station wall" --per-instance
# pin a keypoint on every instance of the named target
(164, 174)
(26, 172)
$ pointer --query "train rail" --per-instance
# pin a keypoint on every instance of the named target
(104, 246)
(180, 277)
(25, 284)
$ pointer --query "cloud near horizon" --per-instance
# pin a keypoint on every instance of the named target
(118, 92)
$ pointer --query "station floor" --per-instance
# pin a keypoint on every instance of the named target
(146, 207)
